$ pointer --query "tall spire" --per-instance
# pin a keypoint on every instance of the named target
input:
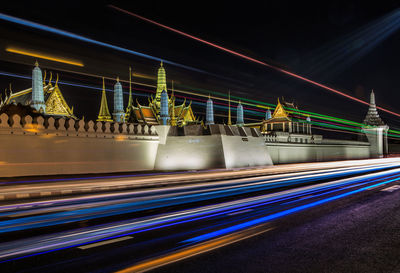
(239, 115)
(229, 108)
(164, 108)
(130, 100)
(268, 114)
(209, 111)
(104, 114)
(173, 119)
(37, 89)
(118, 102)
(372, 118)
(161, 84)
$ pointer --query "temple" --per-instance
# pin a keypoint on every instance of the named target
(179, 115)
(43, 97)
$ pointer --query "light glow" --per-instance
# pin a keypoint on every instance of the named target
(31, 53)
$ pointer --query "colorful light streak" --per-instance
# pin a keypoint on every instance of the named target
(250, 59)
(280, 214)
(64, 33)
(31, 53)
(248, 110)
(216, 210)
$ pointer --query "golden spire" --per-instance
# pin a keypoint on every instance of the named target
(229, 109)
(117, 78)
(44, 78)
(130, 100)
(10, 89)
(161, 63)
(36, 63)
(173, 119)
(104, 114)
(56, 80)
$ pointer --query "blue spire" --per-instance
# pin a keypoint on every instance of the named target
(239, 114)
(268, 114)
(164, 108)
(118, 102)
(209, 112)
(37, 89)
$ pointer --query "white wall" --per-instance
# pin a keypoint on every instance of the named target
(211, 151)
(33, 149)
(282, 153)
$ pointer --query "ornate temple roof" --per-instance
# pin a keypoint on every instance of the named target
(280, 114)
(56, 104)
(372, 118)
(150, 114)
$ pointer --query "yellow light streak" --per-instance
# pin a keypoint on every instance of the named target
(194, 250)
(43, 56)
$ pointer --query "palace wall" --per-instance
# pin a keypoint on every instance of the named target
(328, 150)
(216, 146)
(49, 146)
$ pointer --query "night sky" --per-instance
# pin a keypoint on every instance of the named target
(351, 46)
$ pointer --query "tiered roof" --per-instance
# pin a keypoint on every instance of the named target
(372, 118)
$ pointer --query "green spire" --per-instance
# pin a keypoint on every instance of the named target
(161, 84)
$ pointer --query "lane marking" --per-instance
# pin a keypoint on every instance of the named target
(239, 212)
(392, 188)
(105, 242)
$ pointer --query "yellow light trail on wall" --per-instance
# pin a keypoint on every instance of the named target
(43, 56)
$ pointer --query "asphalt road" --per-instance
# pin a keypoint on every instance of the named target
(353, 235)
(293, 222)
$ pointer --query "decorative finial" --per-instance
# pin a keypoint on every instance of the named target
(57, 80)
(117, 78)
(51, 76)
(161, 63)
(209, 96)
(10, 89)
(36, 63)
(44, 78)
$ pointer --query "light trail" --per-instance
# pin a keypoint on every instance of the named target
(248, 110)
(64, 33)
(98, 233)
(31, 53)
(250, 59)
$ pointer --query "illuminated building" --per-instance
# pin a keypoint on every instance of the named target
(375, 130)
(104, 113)
(180, 115)
(209, 112)
(239, 115)
(42, 96)
(118, 103)
(283, 121)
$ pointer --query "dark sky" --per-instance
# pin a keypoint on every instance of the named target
(324, 41)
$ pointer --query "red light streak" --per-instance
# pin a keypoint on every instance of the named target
(249, 58)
